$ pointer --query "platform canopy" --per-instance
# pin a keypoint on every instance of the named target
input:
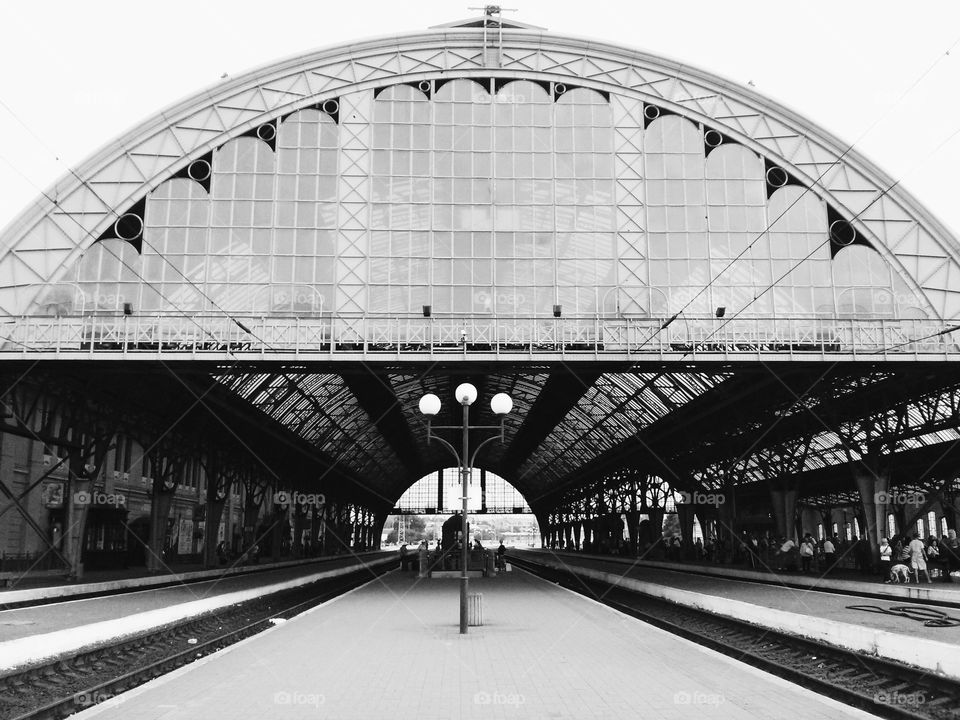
(604, 234)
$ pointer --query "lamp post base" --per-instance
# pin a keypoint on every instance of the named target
(463, 603)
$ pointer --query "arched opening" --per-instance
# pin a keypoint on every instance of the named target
(497, 511)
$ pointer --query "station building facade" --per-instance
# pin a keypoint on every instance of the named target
(486, 190)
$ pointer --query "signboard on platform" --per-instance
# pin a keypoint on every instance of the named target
(51, 494)
(185, 537)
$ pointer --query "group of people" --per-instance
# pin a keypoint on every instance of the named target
(903, 559)
(410, 559)
(812, 555)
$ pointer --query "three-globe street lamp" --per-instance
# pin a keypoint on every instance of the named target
(466, 395)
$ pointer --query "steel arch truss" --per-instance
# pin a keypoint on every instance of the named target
(86, 205)
(878, 422)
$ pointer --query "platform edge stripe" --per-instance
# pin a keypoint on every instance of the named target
(913, 593)
(11, 597)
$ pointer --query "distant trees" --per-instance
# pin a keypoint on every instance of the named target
(415, 529)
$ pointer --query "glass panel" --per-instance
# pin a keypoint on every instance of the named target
(677, 212)
(483, 201)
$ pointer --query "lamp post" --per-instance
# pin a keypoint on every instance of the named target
(466, 395)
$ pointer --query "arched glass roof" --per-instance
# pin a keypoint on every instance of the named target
(386, 175)
(487, 197)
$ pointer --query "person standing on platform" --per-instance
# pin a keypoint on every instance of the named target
(932, 548)
(886, 559)
(886, 555)
(918, 558)
(806, 553)
(419, 559)
(950, 554)
(861, 554)
(753, 550)
(829, 555)
(785, 560)
(501, 554)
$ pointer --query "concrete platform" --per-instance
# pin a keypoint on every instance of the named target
(843, 581)
(822, 616)
(33, 635)
(391, 649)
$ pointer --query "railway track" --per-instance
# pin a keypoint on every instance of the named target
(884, 688)
(69, 685)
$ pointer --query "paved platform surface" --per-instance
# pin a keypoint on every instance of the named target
(391, 649)
(52, 587)
(815, 603)
(61, 615)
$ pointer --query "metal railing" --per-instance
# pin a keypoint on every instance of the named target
(367, 334)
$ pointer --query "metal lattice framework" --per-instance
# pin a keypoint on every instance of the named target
(362, 337)
(51, 236)
(321, 410)
(593, 450)
(610, 412)
(925, 421)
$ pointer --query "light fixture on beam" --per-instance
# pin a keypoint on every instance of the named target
(557, 310)
(429, 405)
(501, 404)
(721, 311)
(427, 309)
(465, 394)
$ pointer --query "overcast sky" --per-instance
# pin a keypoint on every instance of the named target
(77, 74)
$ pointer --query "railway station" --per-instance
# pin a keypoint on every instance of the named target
(699, 352)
